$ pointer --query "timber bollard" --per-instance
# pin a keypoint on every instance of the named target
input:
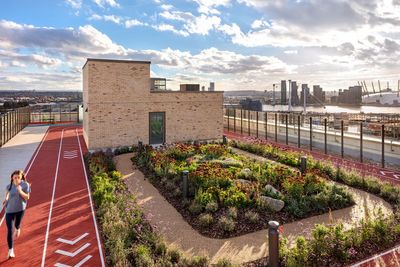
(140, 146)
(273, 244)
(185, 185)
(303, 164)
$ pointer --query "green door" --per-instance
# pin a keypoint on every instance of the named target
(157, 128)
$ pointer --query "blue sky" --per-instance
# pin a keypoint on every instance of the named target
(239, 44)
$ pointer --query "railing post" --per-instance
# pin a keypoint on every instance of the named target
(273, 244)
(342, 138)
(383, 145)
(298, 132)
(241, 121)
(361, 142)
(256, 124)
(287, 129)
(227, 111)
(311, 133)
(325, 136)
(185, 189)
(1, 131)
(248, 122)
(276, 127)
(266, 125)
(234, 120)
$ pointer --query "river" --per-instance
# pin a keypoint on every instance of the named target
(335, 109)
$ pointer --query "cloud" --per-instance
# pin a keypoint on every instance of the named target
(111, 18)
(168, 27)
(104, 3)
(133, 23)
(209, 6)
(76, 4)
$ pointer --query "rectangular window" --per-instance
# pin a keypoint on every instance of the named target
(156, 128)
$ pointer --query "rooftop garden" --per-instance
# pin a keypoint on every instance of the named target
(231, 194)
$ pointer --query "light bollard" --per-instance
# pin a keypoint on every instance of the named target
(140, 146)
(273, 244)
(224, 140)
(303, 164)
(185, 184)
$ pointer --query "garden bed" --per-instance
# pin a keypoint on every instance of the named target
(231, 194)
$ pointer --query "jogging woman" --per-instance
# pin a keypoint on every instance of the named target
(17, 194)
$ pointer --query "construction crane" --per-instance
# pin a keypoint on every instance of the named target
(373, 88)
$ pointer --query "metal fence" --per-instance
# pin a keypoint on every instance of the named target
(52, 114)
(12, 122)
(333, 134)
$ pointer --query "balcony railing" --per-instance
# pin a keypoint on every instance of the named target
(330, 134)
(12, 122)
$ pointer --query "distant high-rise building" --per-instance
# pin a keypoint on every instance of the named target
(212, 86)
(351, 96)
(319, 95)
(190, 87)
(305, 91)
(294, 97)
(283, 92)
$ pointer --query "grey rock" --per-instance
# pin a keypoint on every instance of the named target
(272, 189)
(246, 172)
(271, 203)
(243, 181)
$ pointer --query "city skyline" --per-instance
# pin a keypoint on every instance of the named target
(238, 44)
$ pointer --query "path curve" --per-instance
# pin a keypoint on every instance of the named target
(249, 247)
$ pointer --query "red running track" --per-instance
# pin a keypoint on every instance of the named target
(59, 226)
(363, 168)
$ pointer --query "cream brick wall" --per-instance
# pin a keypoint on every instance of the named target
(119, 100)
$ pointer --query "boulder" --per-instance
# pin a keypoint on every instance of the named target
(271, 203)
(272, 189)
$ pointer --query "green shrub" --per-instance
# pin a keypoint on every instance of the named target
(212, 207)
(226, 224)
(233, 197)
(174, 255)
(195, 208)
(252, 216)
(142, 256)
(232, 213)
(224, 263)
(206, 219)
(103, 189)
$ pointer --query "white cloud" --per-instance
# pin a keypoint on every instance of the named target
(210, 6)
(202, 24)
(168, 27)
(76, 4)
(133, 23)
(259, 23)
(104, 3)
(166, 7)
(111, 18)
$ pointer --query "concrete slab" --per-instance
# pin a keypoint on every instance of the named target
(16, 153)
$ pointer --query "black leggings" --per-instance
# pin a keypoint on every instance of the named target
(10, 217)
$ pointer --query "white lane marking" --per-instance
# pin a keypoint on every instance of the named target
(72, 242)
(70, 154)
(29, 167)
(91, 204)
(52, 201)
(77, 265)
(375, 257)
(72, 254)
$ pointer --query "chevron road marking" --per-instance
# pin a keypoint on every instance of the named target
(72, 242)
(72, 254)
(77, 265)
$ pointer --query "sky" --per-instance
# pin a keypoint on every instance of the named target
(238, 44)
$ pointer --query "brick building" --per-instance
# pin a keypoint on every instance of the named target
(120, 109)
